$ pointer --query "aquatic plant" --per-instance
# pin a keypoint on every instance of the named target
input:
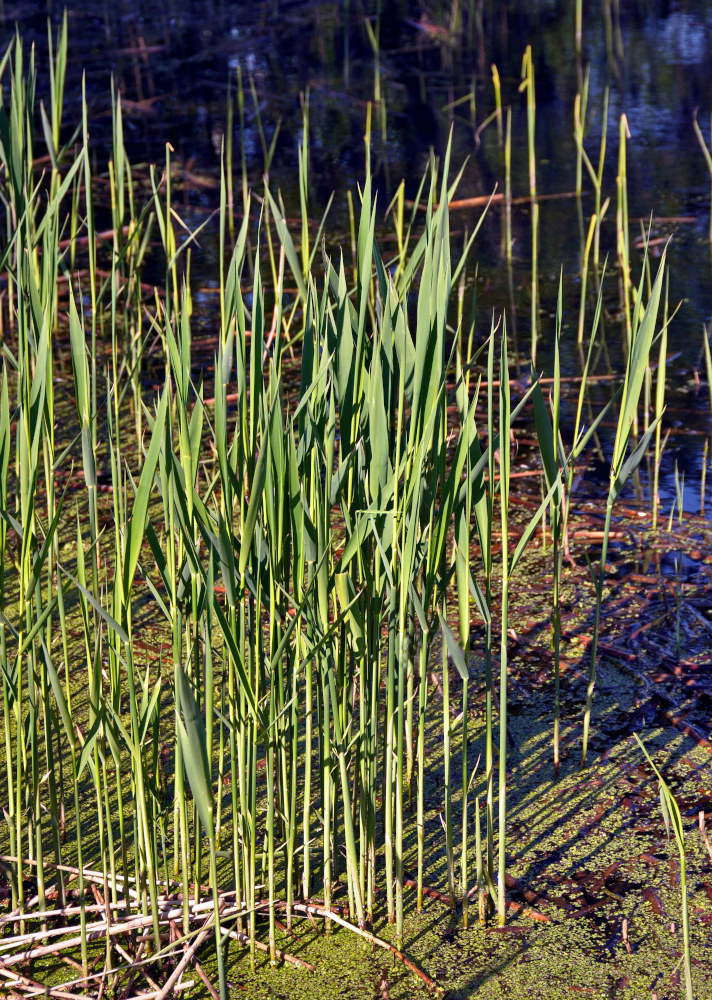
(294, 565)
(672, 817)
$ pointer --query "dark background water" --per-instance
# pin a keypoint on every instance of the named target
(174, 61)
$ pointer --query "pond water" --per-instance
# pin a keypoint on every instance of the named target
(428, 67)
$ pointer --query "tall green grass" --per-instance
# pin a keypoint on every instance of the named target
(297, 561)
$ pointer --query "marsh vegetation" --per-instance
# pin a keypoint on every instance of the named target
(333, 616)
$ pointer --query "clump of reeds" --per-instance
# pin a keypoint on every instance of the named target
(296, 564)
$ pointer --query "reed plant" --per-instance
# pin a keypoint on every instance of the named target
(672, 817)
(624, 463)
(708, 158)
(527, 85)
(595, 173)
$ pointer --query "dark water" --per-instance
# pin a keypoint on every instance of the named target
(173, 62)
